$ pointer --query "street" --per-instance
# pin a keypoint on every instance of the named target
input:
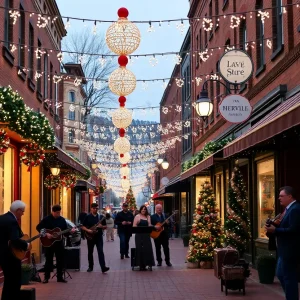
(121, 283)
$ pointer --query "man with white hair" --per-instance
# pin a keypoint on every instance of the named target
(163, 239)
(10, 231)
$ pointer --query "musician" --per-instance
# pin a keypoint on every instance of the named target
(54, 220)
(124, 220)
(92, 219)
(11, 266)
(288, 242)
(163, 239)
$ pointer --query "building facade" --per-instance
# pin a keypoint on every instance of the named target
(265, 146)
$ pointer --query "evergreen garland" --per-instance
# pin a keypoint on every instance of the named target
(237, 224)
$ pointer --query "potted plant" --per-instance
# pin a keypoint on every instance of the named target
(26, 273)
(185, 239)
(266, 267)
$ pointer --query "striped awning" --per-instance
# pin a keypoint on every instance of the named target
(282, 118)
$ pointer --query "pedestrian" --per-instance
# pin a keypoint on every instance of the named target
(110, 227)
(288, 242)
(143, 246)
(54, 220)
(163, 238)
(124, 221)
(80, 220)
(10, 231)
(95, 237)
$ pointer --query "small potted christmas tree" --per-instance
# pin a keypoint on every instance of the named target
(206, 232)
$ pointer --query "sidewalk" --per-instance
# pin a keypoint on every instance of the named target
(121, 283)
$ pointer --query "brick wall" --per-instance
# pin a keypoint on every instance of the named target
(282, 68)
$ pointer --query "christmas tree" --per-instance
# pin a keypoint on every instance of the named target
(130, 200)
(237, 224)
(206, 232)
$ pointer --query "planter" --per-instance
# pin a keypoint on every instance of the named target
(25, 278)
(266, 267)
(192, 265)
(206, 264)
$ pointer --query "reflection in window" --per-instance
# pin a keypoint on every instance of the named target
(266, 194)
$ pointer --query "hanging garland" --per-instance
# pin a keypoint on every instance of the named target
(68, 180)
(4, 141)
(32, 155)
(52, 182)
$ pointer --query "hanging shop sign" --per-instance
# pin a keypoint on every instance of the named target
(235, 108)
(236, 66)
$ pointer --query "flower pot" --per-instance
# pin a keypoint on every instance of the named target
(25, 278)
(205, 264)
(192, 265)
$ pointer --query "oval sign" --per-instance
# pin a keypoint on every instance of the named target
(235, 108)
(236, 66)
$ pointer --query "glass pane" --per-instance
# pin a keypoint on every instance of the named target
(266, 194)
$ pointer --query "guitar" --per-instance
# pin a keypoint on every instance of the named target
(56, 233)
(155, 233)
(88, 235)
(19, 253)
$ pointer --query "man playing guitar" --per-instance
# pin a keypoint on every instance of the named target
(54, 220)
(95, 237)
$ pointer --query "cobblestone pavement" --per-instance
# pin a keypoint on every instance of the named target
(121, 283)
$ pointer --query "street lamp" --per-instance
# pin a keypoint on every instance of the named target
(204, 105)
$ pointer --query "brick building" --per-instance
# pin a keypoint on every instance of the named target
(266, 145)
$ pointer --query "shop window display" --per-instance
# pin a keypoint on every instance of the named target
(266, 194)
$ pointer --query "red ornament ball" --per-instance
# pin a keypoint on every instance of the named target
(122, 132)
(122, 101)
(123, 12)
(123, 60)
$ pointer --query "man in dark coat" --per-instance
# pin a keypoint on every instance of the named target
(10, 232)
(124, 221)
(288, 242)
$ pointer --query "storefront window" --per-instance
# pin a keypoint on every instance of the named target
(6, 166)
(266, 194)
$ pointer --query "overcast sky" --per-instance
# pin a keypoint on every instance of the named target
(165, 38)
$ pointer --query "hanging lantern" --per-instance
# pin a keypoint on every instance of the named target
(125, 183)
(123, 37)
(124, 158)
(122, 82)
(124, 171)
(121, 117)
(121, 145)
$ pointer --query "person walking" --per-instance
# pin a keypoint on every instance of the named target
(163, 238)
(124, 220)
(143, 246)
(95, 237)
(110, 227)
(10, 232)
(288, 242)
(54, 220)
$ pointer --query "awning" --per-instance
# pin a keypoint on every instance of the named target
(282, 118)
(202, 165)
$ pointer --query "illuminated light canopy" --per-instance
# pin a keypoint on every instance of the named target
(122, 117)
(122, 82)
(121, 145)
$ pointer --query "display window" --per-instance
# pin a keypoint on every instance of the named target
(266, 194)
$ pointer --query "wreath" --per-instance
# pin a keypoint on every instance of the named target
(68, 180)
(52, 182)
(4, 141)
(32, 155)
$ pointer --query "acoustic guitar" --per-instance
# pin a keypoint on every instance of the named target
(19, 253)
(90, 236)
(155, 233)
(56, 233)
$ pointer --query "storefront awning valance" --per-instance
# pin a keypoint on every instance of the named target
(282, 118)
(202, 165)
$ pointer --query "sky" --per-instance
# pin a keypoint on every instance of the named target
(163, 39)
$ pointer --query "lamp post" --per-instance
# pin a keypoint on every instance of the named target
(204, 105)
